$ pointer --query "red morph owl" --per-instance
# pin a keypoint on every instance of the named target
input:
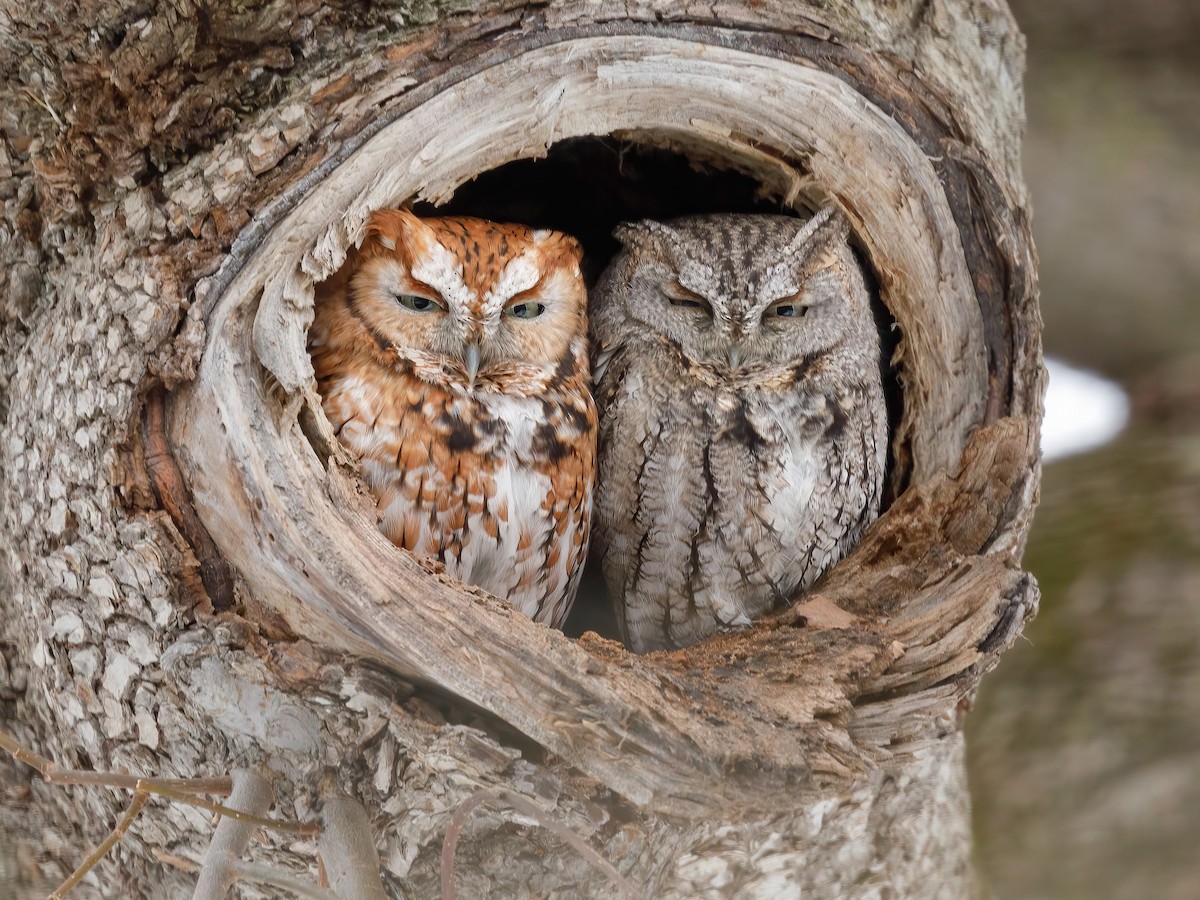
(453, 363)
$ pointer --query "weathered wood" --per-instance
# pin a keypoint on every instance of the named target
(178, 240)
(261, 480)
(173, 496)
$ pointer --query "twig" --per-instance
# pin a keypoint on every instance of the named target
(182, 863)
(459, 820)
(286, 825)
(221, 865)
(53, 774)
(181, 790)
(219, 786)
(266, 875)
(21, 753)
(114, 837)
(253, 794)
(45, 104)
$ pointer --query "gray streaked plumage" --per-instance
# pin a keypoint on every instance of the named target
(743, 431)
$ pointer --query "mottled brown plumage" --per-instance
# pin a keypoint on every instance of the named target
(743, 427)
(452, 362)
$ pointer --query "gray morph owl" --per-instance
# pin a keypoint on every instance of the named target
(743, 430)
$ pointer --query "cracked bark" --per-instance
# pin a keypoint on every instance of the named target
(144, 167)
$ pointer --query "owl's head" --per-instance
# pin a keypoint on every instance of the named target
(741, 292)
(461, 297)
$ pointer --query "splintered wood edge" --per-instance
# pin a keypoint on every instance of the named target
(303, 537)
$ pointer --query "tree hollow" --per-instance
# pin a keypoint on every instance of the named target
(876, 659)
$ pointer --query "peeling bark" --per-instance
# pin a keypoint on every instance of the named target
(177, 240)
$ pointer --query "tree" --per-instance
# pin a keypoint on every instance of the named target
(192, 578)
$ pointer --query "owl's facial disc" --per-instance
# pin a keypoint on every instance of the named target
(467, 299)
(744, 321)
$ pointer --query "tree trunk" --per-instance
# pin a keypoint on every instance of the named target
(192, 580)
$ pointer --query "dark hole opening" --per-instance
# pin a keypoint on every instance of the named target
(586, 187)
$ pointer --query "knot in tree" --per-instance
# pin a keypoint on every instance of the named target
(228, 599)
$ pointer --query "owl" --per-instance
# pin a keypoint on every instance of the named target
(453, 363)
(743, 434)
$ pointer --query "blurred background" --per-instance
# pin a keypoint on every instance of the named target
(1085, 743)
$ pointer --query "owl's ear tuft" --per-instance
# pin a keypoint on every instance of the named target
(572, 248)
(387, 228)
(559, 242)
(827, 226)
(643, 234)
(628, 233)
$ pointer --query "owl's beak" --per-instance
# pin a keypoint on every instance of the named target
(471, 363)
(734, 355)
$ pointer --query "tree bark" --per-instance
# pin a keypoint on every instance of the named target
(192, 580)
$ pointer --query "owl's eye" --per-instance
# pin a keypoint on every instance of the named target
(417, 304)
(526, 310)
(786, 309)
(681, 298)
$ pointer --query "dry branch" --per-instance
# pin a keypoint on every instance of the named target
(252, 793)
(347, 849)
(345, 839)
(118, 832)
